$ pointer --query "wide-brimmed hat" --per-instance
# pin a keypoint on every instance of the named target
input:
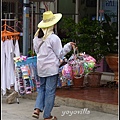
(49, 19)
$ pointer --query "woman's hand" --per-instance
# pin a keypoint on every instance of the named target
(73, 44)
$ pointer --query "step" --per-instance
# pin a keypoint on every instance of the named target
(107, 76)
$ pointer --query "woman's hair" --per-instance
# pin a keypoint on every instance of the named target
(40, 34)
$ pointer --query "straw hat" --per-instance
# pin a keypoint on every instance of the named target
(49, 19)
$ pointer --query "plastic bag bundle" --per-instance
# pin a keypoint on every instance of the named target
(89, 63)
(65, 76)
(81, 64)
(88, 67)
(89, 58)
(77, 66)
(67, 71)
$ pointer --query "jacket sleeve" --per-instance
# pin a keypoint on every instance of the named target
(36, 43)
(59, 50)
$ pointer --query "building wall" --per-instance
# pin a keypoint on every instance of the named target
(87, 8)
(66, 7)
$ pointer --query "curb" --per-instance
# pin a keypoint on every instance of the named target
(101, 107)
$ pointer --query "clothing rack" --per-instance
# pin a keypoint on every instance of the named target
(12, 34)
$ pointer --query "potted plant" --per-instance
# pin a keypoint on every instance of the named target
(90, 37)
(110, 43)
(110, 33)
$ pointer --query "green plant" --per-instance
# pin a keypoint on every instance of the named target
(86, 34)
(92, 37)
(110, 40)
(31, 53)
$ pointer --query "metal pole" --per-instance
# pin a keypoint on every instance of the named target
(76, 11)
(32, 25)
(118, 14)
(97, 14)
(8, 19)
(26, 6)
(16, 15)
(36, 16)
(55, 11)
(101, 9)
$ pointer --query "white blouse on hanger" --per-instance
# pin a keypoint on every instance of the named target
(17, 50)
(3, 75)
(8, 72)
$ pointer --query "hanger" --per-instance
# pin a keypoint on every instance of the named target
(8, 34)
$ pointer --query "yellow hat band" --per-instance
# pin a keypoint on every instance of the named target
(48, 20)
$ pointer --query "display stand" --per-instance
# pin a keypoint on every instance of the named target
(27, 79)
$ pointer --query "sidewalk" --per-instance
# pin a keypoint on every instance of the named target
(98, 99)
(24, 110)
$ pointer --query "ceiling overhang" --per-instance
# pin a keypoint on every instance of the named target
(29, 0)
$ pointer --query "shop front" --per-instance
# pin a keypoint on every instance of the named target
(84, 8)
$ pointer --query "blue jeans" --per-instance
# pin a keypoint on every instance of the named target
(46, 95)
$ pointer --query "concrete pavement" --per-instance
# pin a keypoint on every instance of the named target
(24, 110)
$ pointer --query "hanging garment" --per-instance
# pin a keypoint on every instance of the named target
(9, 52)
(17, 53)
(8, 67)
(16, 49)
(3, 73)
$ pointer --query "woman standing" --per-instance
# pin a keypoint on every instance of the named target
(49, 53)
